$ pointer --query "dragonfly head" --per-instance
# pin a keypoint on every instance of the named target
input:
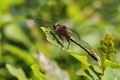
(56, 25)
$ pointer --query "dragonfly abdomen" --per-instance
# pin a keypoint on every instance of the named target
(93, 55)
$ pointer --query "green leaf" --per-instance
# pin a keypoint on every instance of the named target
(108, 63)
(96, 70)
(111, 74)
(82, 72)
(51, 37)
(107, 49)
(15, 33)
(16, 72)
(37, 73)
(82, 59)
(22, 54)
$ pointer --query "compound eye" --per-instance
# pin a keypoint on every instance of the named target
(57, 24)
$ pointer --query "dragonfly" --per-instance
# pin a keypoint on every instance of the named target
(62, 31)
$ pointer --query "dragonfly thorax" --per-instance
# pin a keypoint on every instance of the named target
(56, 25)
(62, 31)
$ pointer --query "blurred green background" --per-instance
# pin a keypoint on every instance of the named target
(22, 42)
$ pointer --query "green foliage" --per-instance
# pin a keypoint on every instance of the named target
(107, 49)
(51, 38)
(108, 63)
(89, 71)
(23, 55)
(82, 59)
(37, 73)
(21, 40)
(111, 70)
(111, 74)
(16, 72)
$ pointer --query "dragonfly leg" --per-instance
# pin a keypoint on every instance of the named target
(61, 47)
(68, 44)
(62, 40)
(61, 43)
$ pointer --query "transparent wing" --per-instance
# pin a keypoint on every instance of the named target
(47, 28)
(77, 38)
(56, 38)
(75, 34)
(42, 23)
(85, 44)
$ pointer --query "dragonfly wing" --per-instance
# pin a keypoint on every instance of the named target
(50, 34)
(57, 40)
(77, 38)
(75, 34)
(42, 23)
(80, 41)
(52, 37)
(85, 44)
